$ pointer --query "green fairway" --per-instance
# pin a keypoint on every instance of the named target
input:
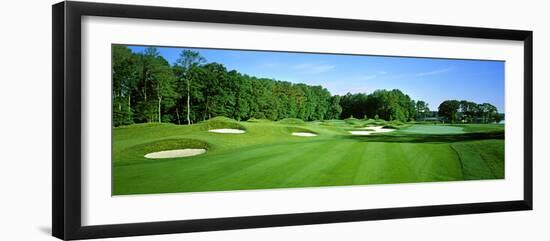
(267, 155)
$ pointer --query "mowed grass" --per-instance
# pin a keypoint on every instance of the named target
(268, 156)
(434, 129)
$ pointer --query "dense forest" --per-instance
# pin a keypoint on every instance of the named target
(146, 88)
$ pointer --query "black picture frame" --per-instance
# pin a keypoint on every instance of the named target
(66, 168)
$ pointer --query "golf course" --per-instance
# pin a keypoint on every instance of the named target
(197, 120)
(292, 153)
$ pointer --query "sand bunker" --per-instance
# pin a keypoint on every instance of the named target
(175, 153)
(362, 133)
(370, 130)
(306, 134)
(227, 131)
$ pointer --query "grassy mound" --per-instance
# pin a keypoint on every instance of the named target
(353, 121)
(221, 122)
(369, 122)
(395, 124)
(380, 122)
(332, 122)
(300, 129)
(171, 144)
(292, 121)
(254, 120)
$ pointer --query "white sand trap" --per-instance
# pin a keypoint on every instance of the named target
(370, 130)
(383, 130)
(306, 134)
(175, 153)
(227, 131)
(361, 133)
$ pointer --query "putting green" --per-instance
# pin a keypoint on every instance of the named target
(433, 129)
(267, 155)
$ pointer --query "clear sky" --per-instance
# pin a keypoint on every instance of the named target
(428, 79)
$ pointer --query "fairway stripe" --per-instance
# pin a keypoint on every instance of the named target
(265, 164)
(459, 160)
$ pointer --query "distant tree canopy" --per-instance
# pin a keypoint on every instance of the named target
(422, 109)
(383, 104)
(146, 88)
(468, 112)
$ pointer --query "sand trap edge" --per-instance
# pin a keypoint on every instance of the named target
(371, 130)
(304, 134)
(175, 153)
(227, 131)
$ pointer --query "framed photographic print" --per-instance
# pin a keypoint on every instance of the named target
(170, 120)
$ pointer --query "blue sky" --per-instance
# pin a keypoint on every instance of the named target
(428, 79)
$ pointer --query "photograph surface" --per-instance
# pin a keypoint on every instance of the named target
(196, 119)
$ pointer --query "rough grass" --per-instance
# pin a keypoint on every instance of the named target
(267, 156)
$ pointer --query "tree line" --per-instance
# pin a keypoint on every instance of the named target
(382, 104)
(146, 88)
(468, 112)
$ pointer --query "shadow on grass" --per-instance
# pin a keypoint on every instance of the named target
(425, 138)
